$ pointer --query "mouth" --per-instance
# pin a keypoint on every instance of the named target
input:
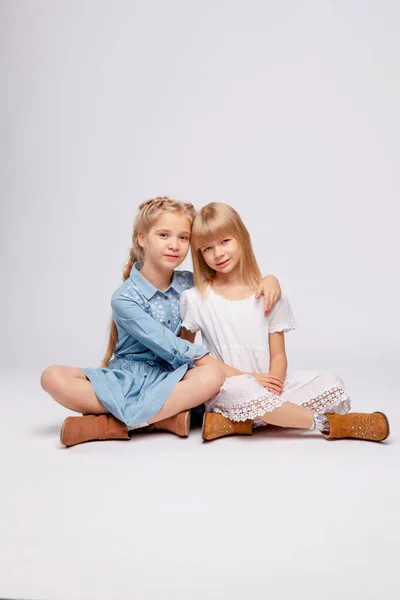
(223, 264)
(172, 256)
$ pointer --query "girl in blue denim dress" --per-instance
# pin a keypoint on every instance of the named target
(147, 375)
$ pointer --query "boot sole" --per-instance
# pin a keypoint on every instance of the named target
(62, 432)
(187, 424)
(203, 426)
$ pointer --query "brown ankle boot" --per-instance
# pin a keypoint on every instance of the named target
(178, 424)
(216, 426)
(364, 426)
(76, 430)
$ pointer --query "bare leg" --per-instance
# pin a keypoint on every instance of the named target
(70, 388)
(197, 386)
(290, 415)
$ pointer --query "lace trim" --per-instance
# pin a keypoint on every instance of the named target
(249, 410)
(282, 327)
(333, 400)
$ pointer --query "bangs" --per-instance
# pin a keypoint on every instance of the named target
(207, 231)
(215, 222)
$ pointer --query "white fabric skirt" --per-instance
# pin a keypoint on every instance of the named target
(242, 397)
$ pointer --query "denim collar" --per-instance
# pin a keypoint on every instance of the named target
(148, 289)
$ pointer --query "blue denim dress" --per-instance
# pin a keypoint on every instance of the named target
(149, 358)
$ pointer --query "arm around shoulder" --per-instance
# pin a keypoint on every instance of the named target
(271, 290)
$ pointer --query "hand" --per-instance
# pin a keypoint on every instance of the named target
(271, 290)
(273, 384)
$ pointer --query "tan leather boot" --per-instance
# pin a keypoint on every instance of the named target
(216, 426)
(76, 430)
(362, 426)
(178, 424)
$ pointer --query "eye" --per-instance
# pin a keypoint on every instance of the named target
(225, 241)
(206, 249)
(163, 235)
(184, 237)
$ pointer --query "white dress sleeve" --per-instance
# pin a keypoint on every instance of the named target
(281, 317)
(189, 311)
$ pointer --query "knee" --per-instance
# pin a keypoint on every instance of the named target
(51, 379)
(333, 380)
(215, 378)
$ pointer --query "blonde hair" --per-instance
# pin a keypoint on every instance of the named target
(213, 223)
(148, 213)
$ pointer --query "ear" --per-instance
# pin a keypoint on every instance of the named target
(140, 239)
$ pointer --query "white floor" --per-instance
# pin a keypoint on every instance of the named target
(278, 515)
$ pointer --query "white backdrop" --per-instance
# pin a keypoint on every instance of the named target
(287, 110)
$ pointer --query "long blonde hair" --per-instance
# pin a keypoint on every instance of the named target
(213, 223)
(148, 213)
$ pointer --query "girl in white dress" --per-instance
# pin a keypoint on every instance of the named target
(234, 330)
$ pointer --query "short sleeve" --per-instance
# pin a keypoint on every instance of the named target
(281, 317)
(189, 312)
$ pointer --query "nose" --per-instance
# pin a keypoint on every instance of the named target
(173, 243)
(218, 252)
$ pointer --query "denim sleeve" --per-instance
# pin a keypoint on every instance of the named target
(152, 334)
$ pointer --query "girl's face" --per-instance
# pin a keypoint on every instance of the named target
(223, 257)
(167, 243)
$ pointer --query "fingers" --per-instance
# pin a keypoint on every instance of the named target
(273, 378)
(270, 379)
(275, 381)
(270, 382)
(276, 388)
(270, 299)
(274, 384)
(275, 391)
(263, 381)
(267, 303)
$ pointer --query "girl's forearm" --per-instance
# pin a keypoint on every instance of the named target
(278, 367)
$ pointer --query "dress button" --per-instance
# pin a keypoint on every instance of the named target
(169, 321)
(174, 351)
(165, 297)
(152, 354)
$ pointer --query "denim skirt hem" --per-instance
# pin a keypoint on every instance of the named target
(134, 393)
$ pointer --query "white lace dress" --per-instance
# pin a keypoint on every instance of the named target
(236, 332)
